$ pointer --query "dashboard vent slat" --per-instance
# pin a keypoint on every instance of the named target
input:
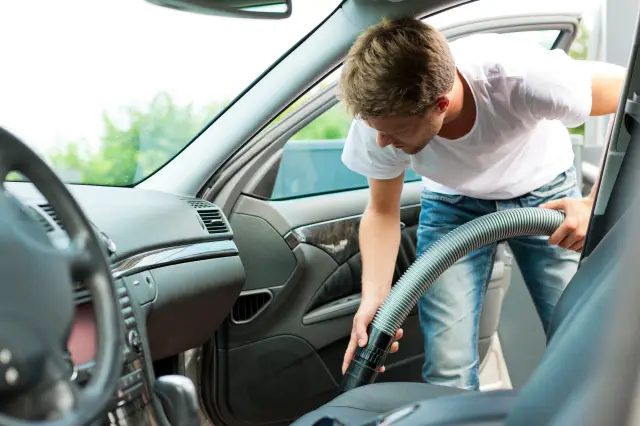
(49, 210)
(80, 293)
(42, 221)
(81, 296)
(213, 221)
(211, 216)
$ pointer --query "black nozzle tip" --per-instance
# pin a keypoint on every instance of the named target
(366, 361)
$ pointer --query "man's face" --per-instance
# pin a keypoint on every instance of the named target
(409, 134)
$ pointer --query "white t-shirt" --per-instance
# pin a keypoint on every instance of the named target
(526, 97)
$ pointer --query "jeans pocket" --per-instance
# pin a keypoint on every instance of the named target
(436, 196)
(562, 183)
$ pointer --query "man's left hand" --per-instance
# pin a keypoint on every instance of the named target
(571, 233)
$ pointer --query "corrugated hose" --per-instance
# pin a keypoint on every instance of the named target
(404, 295)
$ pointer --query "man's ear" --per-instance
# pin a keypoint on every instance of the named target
(442, 104)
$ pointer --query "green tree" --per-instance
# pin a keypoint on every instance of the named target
(149, 137)
(332, 124)
(145, 140)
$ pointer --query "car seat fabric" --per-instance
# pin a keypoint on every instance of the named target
(574, 350)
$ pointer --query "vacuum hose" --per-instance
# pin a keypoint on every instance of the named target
(488, 229)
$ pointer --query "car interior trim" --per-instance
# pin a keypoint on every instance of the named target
(337, 237)
(173, 255)
(263, 305)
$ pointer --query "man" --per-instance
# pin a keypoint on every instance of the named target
(484, 121)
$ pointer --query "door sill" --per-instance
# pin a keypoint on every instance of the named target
(494, 374)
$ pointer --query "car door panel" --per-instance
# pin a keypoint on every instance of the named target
(339, 238)
(312, 298)
(332, 243)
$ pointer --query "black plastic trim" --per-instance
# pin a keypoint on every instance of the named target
(339, 308)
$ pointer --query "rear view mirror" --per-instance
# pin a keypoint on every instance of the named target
(256, 9)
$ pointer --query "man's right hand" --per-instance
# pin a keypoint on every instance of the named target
(379, 238)
(359, 337)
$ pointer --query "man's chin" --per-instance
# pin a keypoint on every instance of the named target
(412, 151)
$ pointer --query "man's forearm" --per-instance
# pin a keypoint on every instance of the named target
(607, 81)
(379, 243)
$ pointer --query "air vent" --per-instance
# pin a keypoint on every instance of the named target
(201, 204)
(48, 209)
(40, 219)
(80, 294)
(249, 305)
(211, 216)
(213, 221)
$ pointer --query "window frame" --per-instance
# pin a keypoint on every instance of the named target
(269, 146)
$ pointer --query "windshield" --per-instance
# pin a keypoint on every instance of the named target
(109, 91)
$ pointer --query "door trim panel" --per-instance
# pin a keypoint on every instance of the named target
(338, 308)
(339, 237)
(286, 215)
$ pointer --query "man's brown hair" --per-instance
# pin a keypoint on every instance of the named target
(396, 67)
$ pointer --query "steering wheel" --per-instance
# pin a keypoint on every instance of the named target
(37, 307)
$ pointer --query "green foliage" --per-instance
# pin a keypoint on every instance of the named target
(16, 177)
(336, 113)
(147, 138)
(580, 45)
(333, 124)
(144, 141)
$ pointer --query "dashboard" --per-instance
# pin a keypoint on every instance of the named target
(174, 261)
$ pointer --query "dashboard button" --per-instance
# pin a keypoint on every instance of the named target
(125, 302)
(122, 290)
(127, 312)
(142, 286)
(134, 340)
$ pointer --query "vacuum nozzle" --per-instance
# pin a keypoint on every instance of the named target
(366, 361)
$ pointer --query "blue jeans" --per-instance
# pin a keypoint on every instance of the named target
(449, 311)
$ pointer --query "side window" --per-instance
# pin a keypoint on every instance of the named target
(311, 160)
(544, 38)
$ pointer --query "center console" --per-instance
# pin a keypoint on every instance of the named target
(131, 404)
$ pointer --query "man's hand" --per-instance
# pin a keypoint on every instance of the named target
(359, 337)
(571, 233)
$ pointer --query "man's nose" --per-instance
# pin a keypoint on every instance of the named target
(384, 140)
